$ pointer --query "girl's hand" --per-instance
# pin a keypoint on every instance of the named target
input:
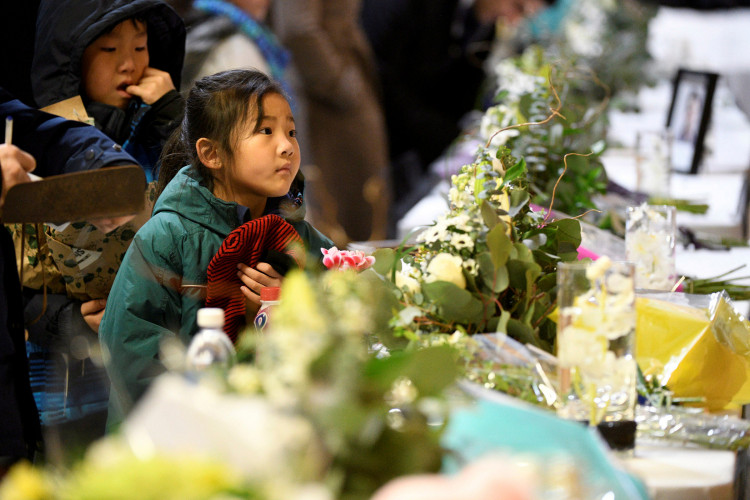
(153, 85)
(92, 312)
(254, 279)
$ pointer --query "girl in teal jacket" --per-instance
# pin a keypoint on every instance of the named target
(233, 174)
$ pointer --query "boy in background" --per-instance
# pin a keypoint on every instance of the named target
(124, 59)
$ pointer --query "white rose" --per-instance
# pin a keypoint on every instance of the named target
(446, 267)
(407, 283)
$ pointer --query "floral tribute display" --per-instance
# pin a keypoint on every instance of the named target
(324, 414)
(488, 265)
(541, 112)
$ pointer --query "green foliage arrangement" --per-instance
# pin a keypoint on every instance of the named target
(544, 112)
(488, 265)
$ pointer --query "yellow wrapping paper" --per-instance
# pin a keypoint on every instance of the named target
(695, 352)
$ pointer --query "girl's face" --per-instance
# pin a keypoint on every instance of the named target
(264, 161)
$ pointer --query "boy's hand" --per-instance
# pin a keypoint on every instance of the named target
(153, 85)
(254, 279)
(16, 165)
(92, 312)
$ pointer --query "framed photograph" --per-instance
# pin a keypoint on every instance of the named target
(689, 117)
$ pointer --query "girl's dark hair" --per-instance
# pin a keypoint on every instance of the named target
(216, 106)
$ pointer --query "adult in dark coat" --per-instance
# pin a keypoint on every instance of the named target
(17, 28)
(58, 146)
(430, 56)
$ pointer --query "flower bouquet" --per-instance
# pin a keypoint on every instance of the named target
(310, 411)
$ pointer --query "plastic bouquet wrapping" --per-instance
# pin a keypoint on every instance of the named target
(680, 425)
(697, 346)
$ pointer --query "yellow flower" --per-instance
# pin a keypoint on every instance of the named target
(24, 482)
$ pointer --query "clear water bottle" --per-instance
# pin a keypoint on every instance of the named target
(210, 347)
(269, 298)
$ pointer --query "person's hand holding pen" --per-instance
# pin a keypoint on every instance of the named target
(15, 164)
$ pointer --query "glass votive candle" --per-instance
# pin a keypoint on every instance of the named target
(595, 341)
(650, 245)
(653, 149)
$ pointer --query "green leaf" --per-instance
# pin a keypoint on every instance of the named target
(433, 369)
(568, 234)
(489, 216)
(518, 200)
(515, 171)
(502, 324)
(523, 273)
(494, 278)
(499, 245)
(385, 260)
(454, 303)
(522, 332)
(430, 369)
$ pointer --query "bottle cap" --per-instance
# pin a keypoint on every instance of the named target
(270, 293)
(210, 317)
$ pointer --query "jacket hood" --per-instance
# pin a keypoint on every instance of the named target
(66, 27)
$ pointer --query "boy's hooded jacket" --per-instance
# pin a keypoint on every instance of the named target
(59, 146)
(66, 28)
(154, 295)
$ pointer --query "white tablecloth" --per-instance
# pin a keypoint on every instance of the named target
(677, 473)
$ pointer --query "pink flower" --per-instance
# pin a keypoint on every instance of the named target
(346, 259)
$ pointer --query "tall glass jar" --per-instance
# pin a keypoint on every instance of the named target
(650, 245)
(596, 341)
(654, 162)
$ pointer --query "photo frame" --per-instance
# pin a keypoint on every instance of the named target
(689, 117)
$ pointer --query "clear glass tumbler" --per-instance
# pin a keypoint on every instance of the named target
(654, 162)
(650, 232)
(596, 341)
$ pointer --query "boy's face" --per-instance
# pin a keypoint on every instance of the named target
(113, 61)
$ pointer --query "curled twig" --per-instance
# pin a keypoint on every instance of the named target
(553, 112)
(554, 189)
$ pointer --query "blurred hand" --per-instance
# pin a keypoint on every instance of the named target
(16, 165)
(254, 280)
(110, 224)
(153, 85)
(92, 312)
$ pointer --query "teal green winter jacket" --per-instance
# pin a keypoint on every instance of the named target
(151, 297)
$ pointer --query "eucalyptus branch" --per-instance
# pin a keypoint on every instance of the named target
(553, 112)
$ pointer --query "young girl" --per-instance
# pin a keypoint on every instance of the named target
(238, 141)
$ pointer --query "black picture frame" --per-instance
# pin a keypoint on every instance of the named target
(689, 117)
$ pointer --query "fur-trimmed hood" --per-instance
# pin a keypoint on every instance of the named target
(66, 27)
